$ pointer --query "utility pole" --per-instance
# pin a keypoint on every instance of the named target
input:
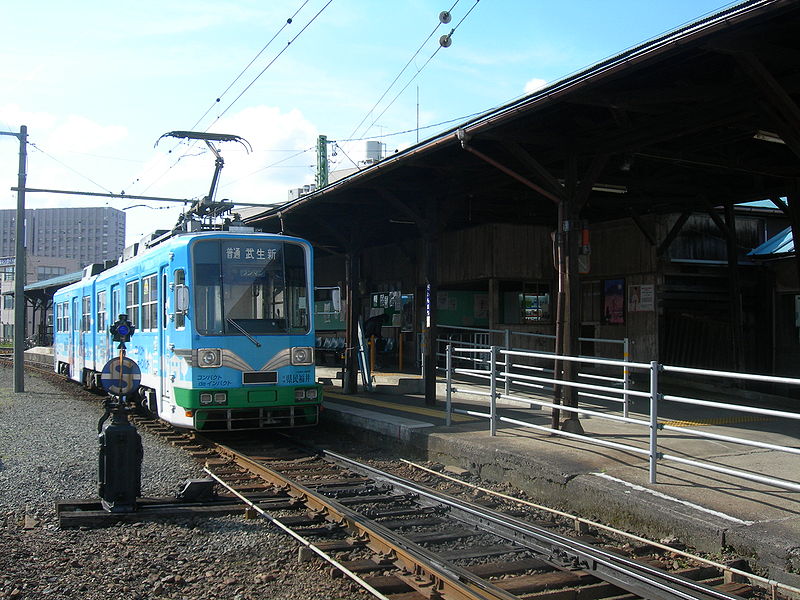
(19, 264)
(322, 161)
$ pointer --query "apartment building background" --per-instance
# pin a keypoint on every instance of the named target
(58, 241)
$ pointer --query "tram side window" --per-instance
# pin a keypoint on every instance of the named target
(149, 303)
(132, 301)
(101, 311)
(296, 289)
(180, 283)
(86, 313)
(114, 302)
(62, 316)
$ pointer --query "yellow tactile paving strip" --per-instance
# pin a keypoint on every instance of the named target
(718, 421)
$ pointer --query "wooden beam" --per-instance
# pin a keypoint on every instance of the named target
(545, 176)
(588, 180)
(780, 204)
(785, 112)
(722, 225)
(643, 228)
(510, 172)
(402, 206)
(673, 233)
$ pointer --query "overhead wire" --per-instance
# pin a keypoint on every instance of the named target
(435, 52)
(410, 60)
(275, 164)
(257, 77)
(250, 64)
(66, 166)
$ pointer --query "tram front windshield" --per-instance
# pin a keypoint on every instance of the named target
(248, 287)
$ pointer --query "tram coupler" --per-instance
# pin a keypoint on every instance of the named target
(120, 458)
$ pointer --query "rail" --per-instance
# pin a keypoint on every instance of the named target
(486, 383)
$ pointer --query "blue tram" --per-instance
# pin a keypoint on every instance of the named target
(224, 328)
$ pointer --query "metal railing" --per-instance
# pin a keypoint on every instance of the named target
(517, 344)
(496, 377)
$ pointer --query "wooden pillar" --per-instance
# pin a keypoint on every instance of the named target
(793, 200)
(493, 302)
(572, 313)
(430, 329)
(561, 270)
(735, 289)
(353, 310)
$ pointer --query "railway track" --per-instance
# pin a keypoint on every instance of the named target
(405, 541)
(402, 540)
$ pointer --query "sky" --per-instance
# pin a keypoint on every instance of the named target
(98, 83)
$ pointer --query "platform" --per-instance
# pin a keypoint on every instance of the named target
(708, 511)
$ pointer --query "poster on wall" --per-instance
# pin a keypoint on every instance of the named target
(641, 298)
(614, 301)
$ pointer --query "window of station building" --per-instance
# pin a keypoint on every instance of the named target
(101, 311)
(8, 273)
(591, 302)
(45, 272)
(149, 303)
(8, 302)
(524, 302)
(132, 301)
(86, 313)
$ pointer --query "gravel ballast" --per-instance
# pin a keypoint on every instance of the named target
(48, 453)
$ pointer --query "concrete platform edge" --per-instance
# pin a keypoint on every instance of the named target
(590, 496)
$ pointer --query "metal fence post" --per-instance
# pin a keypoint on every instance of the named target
(493, 392)
(449, 388)
(507, 374)
(626, 376)
(654, 393)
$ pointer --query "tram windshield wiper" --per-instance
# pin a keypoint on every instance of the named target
(243, 331)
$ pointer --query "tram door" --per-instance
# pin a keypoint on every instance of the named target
(76, 347)
(163, 339)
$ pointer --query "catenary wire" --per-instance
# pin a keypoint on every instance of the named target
(435, 52)
(410, 60)
(257, 77)
(66, 166)
(289, 43)
(250, 64)
(275, 164)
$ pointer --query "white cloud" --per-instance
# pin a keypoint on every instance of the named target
(533, 85)
(79, 134)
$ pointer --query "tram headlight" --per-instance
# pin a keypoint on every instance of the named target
(206, 399)
(209, 357)
(220, 398)
(305, 393)
(302, 355)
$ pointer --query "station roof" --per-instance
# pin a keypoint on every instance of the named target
(699, 117)
(778, 245)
